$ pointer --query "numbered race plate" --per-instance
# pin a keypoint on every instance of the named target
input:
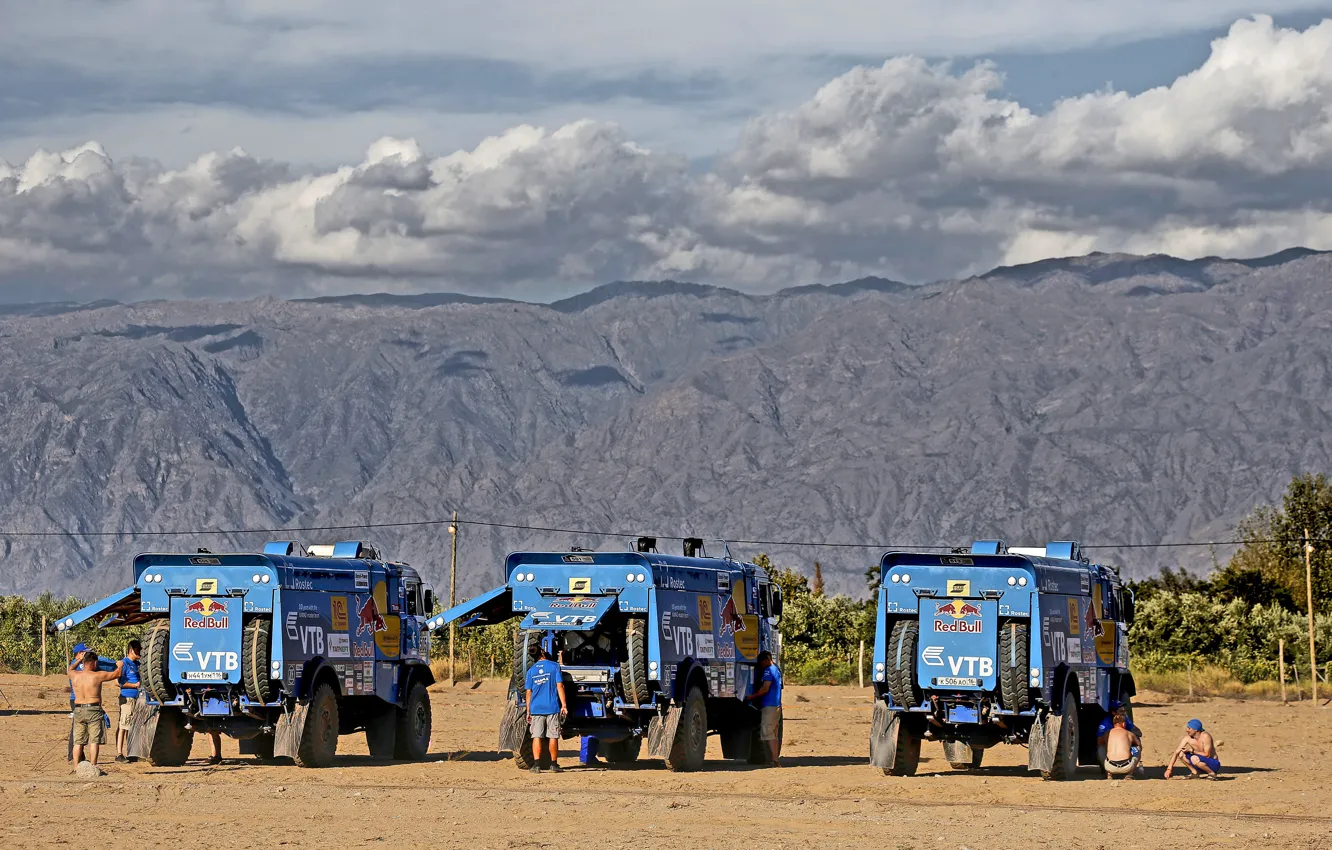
(204, 676)
(957, 682)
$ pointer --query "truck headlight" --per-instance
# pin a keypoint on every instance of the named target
(254, 579)
(1022, 581)
(894, 578)
(1012, 580)
(879, 666)
(906, 578)
(265, 578)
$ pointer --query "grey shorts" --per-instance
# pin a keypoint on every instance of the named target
(545, 725)
(770, 722)
(88, 728)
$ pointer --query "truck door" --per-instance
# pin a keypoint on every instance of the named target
(413, 619)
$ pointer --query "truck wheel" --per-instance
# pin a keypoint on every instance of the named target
(171, 742)
(413, 722)
(691, 736)
(263, 747)
(526, 651)
(1066, 748)
(1014, 655)
(256, 651)
(758, 748)
(907, 758)
(901, 676)
(623, 752)
(633, 675)
(381, 732)
(154, 670)
(523, 757)
(319, 738)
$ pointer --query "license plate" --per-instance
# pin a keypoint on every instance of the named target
(957, 682)
(203, 676)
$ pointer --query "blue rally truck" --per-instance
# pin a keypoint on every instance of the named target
(284, 650)
(998, 645)
(652, 646)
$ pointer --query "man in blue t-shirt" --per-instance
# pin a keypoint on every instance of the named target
(546, 708)
(767, 696)
(129, 694)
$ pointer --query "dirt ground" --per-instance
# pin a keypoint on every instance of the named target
(827, 795)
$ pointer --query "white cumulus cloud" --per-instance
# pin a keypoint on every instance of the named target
(910, 169)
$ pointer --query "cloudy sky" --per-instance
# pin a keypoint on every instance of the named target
(230, 148)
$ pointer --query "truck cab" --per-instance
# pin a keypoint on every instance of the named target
(651, 646)
(996, 645)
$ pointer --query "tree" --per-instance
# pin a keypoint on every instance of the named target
(1274, 541)
(817, 589)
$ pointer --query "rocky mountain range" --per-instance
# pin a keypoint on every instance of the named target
(1109, 398)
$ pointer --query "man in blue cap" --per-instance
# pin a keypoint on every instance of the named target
(1197, 750)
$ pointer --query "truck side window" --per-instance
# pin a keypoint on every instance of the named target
(413, 598)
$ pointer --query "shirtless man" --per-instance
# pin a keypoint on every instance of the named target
(87, 686)
(1123, 749)
(1197, 751)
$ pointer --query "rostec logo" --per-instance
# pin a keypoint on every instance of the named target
(368, 618)
(958, 613)
(206, 611)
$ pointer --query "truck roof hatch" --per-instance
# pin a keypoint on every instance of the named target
(121, 608)
(494, 606)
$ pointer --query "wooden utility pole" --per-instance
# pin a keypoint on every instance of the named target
(453, 588)
(1281, 665)
(860, 665)
(1308, 589)
(43, 646)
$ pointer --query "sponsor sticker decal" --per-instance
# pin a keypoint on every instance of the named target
(204, 586)
(957, 616)
(1074, 618)
(368, 618)
(339, 646)
(206, 613)
(338, 606)
(580, 585)
(958, 587)
(362, 578)
(705, 612)
(705, 646)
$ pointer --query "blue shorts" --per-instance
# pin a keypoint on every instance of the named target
(1198, 761)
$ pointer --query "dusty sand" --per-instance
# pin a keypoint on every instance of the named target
(466, 796)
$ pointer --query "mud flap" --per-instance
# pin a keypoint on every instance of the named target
(143, 726)
(957, 752)
(513, 728)
(1043, 741)
(661, 732)
(736, 742)
(287, 733)
(883, 736)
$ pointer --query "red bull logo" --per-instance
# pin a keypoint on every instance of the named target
(731, 620)
(204, 614)
(368, 618)
(959, 612)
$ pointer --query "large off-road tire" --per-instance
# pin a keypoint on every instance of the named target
(256, 652)
(759, 753)
(633, 673)
(907, 758)
(171, 742)
(1014, 661)
(524, 757)
(526, 651)
(622, 752)
(381, 732)
(1066, 748)
(691, 736)
(413, 725)
(319, 738)
(263, 747)
(154, 669)
(901, 662)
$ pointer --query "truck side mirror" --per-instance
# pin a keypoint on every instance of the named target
(429, 602)
(1128, 607)
(776, 602)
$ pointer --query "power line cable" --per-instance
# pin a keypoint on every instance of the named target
(596, 533)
